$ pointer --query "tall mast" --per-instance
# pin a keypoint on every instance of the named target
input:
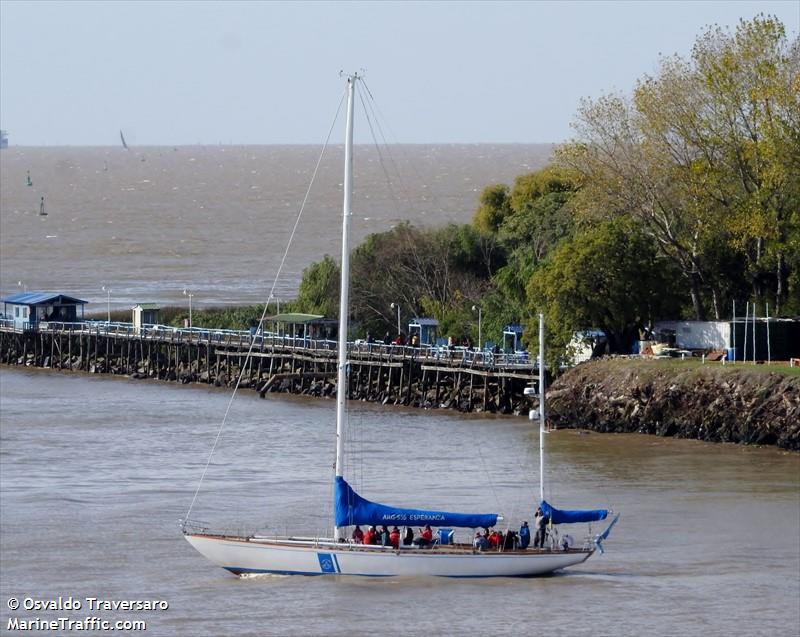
(541, 407)
(344, 292)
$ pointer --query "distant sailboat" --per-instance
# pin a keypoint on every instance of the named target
(42, 212)
(122, 137)
(28, 181)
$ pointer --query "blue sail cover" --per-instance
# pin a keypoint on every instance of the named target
(350, 508)
(568, 517)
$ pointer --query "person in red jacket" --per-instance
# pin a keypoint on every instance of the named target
(425, 536)
(370, 537)
(358, 535)
(394, 538)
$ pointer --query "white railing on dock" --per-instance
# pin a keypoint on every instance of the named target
(431, 354)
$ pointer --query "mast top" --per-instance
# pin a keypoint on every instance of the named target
(351, 77)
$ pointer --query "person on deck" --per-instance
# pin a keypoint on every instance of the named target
(358, 535)
(493, 539)
(384, 536)
(524, 536)
(540, 522)
(425, 537)
(511, 541)
(394, 538)
(370, 537)
(408, 537)
(480, 542)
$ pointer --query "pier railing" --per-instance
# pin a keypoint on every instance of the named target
(261, 341)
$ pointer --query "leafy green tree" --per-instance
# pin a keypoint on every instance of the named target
(541, 216)
(535, 218)
(319, 289)
(609, 277)
(707, 147)
(553, 179)
(494, 207)
(427, 272)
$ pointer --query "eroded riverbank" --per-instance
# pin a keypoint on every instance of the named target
(742, 404)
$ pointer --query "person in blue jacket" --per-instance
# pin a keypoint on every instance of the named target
(524, 536)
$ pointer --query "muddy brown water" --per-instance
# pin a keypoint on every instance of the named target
(96, 472)
(150, 222)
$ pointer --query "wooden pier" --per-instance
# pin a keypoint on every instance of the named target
(455, 378)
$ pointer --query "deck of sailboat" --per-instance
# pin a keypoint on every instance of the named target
(434, 549)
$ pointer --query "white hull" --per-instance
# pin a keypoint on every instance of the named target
(243, 556)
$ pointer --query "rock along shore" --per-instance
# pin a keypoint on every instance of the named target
(714, 403)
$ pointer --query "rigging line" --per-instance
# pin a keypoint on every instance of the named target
(329, 530)
(266, 306)
(378, 116)
(489, 477)
(394, 196)
(375, 113)
(361, 454)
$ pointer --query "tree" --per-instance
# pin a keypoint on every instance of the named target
(540, 215)
(319, 289)
(609, 277)
(534, 217)
(494, 207)
(705, 149)
(435, 271)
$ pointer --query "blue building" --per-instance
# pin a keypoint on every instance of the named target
(28, 309)
(512, 339)
(425, 330)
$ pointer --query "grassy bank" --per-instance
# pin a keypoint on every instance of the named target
(647, 367)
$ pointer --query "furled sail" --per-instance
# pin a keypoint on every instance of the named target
(350, 508)
(558, 516)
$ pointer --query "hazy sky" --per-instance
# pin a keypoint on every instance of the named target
(267, 73)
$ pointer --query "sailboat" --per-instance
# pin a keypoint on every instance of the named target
(341, 555)
(122, 139)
